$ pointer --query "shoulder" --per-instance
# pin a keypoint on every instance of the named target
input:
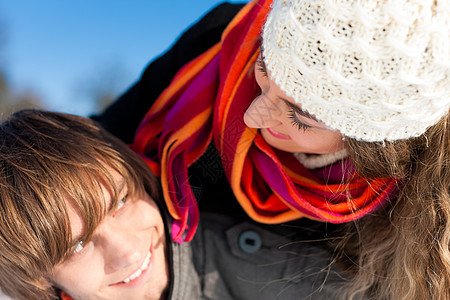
(274, 261)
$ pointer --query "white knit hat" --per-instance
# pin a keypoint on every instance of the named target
(375, 70)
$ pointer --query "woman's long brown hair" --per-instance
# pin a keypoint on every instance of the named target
(402, 251)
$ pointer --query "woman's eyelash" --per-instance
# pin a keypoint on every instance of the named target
(261, 67)
(296, 122)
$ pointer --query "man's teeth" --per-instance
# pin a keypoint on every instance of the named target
(141, 269)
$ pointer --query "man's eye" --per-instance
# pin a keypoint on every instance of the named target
(120, 204)
(78, 247)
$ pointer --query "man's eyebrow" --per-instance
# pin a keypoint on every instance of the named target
(298, 109)
(121, 185)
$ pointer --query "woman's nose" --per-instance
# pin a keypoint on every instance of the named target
(263, 112)
(121, 249)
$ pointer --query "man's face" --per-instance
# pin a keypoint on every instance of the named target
(126, 257)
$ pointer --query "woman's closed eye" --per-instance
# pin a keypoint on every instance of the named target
(296, 121)
(261, 66)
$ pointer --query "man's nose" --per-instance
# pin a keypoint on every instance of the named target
(121, 249)
(263, 112)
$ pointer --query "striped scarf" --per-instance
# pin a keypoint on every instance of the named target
(205, 102)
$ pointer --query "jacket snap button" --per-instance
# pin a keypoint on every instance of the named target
(249, 241)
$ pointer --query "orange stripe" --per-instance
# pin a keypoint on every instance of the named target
(334, 188)
(369, 194)
(235, 86)
(239, 16)
(300, 178)
(177, 138)
(183, 76)
(244, 60)
(245, 202)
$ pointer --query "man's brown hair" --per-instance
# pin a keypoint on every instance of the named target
(47, 158)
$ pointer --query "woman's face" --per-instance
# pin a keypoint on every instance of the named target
(282, 122)
(126, 258)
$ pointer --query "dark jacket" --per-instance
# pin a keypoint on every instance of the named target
(231, 260)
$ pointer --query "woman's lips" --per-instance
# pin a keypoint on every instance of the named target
(278, 135)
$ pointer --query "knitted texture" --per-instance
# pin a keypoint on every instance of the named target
(374, 70)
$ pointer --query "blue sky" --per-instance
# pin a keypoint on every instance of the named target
(55, 48)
